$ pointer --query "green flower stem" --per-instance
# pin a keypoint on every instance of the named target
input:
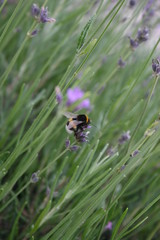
(14, 14)
(101, 24)
(3, 5)
(95, 45)
(143, 113)
(14, 59)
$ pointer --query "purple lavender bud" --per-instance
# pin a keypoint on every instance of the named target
(34, 177)
(35, 10)
(135, 153)
(44, 16)
(74, 148)
(107, 232)
(133, 43)
(143, 35)
(110, 151)
(74, 95)
(82, 136)
(124, 137)
(58, 95)
(122, 167)
(158, 70)
(156, 66)
(149, 5)
(67, 143)
(108, 226)
(84, 104)
(132, 3)
(82, 139)
(121, 63)
(34, 33)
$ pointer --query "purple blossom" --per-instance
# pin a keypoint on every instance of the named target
(84, 104)
(110, 151)
(149, 4)
(74, 148)
(143, 35)
(34, 177)
(107, 232)
(82, 136)
(34, 33)
(108, 226)
(67, 143)
(121, 63)
(135, 153)
(132, 3)
(35, 10)
(44, 16)
(124, 137)
(58, 95)
(73, 95)
(122, 167)
(156, 66)
(76, 94)
(133, 43)
(149, 12)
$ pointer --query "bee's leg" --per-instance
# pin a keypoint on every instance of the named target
(80, 128)
(75, 133)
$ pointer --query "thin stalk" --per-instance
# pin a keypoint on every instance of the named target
(14, 59)
(143, 113)
(3, 5)
(95, 45)
(10, 19)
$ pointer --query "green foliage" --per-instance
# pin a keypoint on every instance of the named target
(108, 179)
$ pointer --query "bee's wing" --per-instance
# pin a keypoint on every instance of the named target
(73, 124)
(69, 115)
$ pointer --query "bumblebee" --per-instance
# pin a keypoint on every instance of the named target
(76, 123)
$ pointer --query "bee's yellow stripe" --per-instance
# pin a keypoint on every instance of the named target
(70, 119)
(86, 118)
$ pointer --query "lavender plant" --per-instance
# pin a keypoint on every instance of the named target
(101, 59)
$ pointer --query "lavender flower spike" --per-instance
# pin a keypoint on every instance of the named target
(132, 3)
(35, 10)
(133, 43)
(121, 63)
(34, 177)
(33, 33)
(82, 136)
(156, 66)
(67, 143)
(124, 137)
(143, 35)
(108, 226)
(58, 95)
(44, 16)
(76, 94)
(134, 153)
(74, 148)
